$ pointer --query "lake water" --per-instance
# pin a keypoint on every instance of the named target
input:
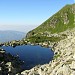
(31, 55)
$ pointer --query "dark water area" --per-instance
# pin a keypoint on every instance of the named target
(31, 55)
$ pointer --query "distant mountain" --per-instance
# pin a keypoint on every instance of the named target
(63, 20)
(9, 35)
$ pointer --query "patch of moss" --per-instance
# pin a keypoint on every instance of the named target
(38, 39)
(56, 56)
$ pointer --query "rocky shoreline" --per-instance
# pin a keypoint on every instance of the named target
(63, 62)
(9, 64)
(64, 59)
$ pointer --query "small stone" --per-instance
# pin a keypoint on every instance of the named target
(73, 73)
(73, 65)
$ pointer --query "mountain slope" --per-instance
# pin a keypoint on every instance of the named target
(63, 62)
(9, 35)
(59, 22)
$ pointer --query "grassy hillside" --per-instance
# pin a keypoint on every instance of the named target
(59, 22)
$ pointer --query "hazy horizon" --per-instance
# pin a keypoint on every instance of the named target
(25, 15)
(21, 28)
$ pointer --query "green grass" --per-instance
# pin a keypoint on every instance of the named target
(56, 56)
(58, 27)
(38, 39)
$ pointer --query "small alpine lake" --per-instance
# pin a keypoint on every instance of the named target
(31, 55)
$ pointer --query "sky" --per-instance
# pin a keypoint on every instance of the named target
(25, 15)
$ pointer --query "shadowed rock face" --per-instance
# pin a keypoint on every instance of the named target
(6, 36)
(9, 64)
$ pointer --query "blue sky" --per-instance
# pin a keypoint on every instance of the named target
(24, 15)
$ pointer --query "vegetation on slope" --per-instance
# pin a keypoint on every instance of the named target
(59, 22)
(38, 39)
